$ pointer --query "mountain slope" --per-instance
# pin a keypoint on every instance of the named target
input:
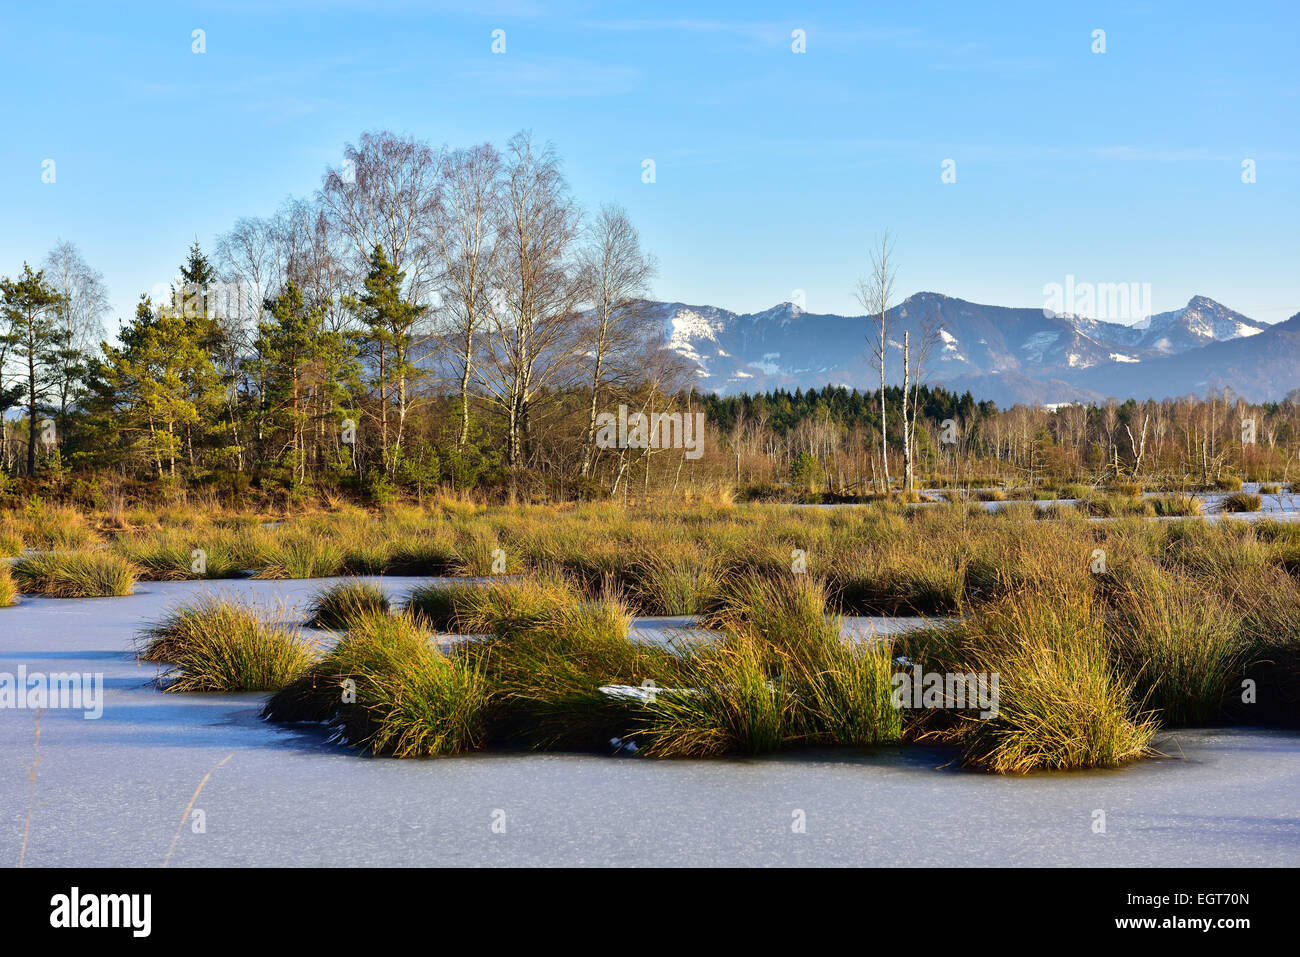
(1260, 367)
(1000, 353)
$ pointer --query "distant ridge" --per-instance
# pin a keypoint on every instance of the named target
(1002, 353)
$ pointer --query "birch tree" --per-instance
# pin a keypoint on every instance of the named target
(615, 275)
(467, 217)
(531, 308)
(874, 292)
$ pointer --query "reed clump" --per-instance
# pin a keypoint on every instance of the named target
(89, 574)
(442, 604)
(1062, 701)
(1241, 502)
(220, 645)
(1178, 646)
(387, 687)
(8, 590)
(335, 605)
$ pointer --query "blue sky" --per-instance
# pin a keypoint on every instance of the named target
(774, 170)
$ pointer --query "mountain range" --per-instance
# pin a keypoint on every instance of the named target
(1005, 354)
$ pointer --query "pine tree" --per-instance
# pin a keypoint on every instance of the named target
(390, 322)
(159, 384)
(307, 372)
(29, 307)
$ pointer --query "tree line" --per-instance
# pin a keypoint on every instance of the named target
(430, 316)
(829, 439)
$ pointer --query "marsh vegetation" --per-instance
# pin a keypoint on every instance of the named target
(1101, 632)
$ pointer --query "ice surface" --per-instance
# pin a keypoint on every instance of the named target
(112, 792)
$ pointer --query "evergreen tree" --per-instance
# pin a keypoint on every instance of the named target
(390, 323)
(307, 371)
(160, 385)
(29, 307)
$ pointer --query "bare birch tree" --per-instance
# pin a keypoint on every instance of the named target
(467, 219)
(385, 195)
(615, 275)
(532, 307)
(912, 372)
(875, 290)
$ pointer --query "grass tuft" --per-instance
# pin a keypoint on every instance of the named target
(215, 644)
(94, 574)
(1241, 502)
(385, 687)
(1176, 504)
(334, 606)
(8, 590)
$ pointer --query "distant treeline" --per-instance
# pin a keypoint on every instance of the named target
(783, 411)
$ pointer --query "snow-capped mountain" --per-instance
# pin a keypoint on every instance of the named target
(1000, 353)
(1200, 322)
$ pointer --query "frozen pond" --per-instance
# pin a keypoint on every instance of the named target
(676, 630)
(112, 791)
(1282, 506)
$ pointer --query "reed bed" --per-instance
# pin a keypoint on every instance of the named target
(1100, 632)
